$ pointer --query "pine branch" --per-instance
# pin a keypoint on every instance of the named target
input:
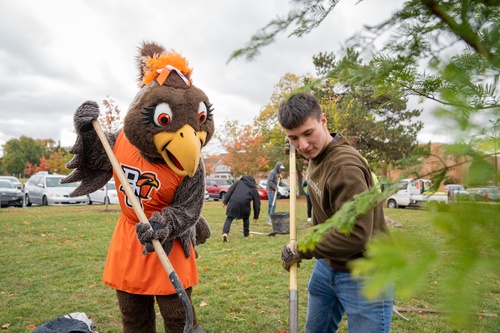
(345, 218)
(306, 17)
(464, 31)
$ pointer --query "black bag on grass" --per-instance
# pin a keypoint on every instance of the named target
(72, 323)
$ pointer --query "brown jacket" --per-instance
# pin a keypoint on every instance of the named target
(333, 178)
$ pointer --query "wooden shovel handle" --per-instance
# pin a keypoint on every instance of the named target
(160, 252)
(293, 298)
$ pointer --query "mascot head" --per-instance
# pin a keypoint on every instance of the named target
(169, 120)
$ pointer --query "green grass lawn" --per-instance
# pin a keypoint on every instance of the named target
(52, 258)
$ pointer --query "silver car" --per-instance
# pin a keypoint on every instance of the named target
(105, 195)
(14, 181)
(45, 189)
(283, 188)
(9, 194)
(488, 194)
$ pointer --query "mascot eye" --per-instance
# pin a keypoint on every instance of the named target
(202, 113)
(161, 115)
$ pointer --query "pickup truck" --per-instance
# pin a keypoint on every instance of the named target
(415, 193)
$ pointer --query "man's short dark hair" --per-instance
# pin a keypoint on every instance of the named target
(294, 111)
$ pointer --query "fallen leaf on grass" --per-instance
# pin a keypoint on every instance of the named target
(6, 325)
(32, 327)
(203, 303)
(26, 222)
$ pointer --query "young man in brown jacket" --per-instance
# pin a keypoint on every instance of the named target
(336, 173)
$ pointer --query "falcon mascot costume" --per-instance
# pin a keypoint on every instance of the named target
(159, 150)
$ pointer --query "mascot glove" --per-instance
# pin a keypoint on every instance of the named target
(155, 229)
(290, 256)
(84, 115)
(202, 231)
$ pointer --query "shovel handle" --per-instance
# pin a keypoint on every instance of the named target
(160, 252)
(276, 193)
(293, 320)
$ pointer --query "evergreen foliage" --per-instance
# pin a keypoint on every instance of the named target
(441, 51)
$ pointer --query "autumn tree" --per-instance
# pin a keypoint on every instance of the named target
(244, 149)
(266, 123)
(58, 160)
(110, 120)
(48, 146)
(210, 163)
(31, 169)
(44, 165)
(19, 151)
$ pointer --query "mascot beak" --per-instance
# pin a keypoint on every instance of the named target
(181, 150)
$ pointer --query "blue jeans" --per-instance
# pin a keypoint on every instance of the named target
(333, 292)
(270, 197)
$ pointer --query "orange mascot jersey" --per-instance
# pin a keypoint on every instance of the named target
(126, 268)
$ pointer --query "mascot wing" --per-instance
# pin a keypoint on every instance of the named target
(91, 165)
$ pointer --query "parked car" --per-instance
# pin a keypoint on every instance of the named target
(490, 193)
(262, 192)
(45, 189)
(14, 180)
(102, 197)
(283, 188)
(457, 191)
(10, 195)
(217, 187)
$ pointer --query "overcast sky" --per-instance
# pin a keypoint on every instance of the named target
(56, 54)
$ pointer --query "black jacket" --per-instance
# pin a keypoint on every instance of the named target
(239, 196)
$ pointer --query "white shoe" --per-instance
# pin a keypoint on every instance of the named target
(308, 219)
(225, 238)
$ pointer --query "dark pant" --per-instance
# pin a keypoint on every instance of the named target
(138, 314)
(229, 220)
